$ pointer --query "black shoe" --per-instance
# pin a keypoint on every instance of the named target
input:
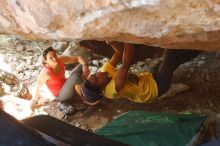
(66, 108)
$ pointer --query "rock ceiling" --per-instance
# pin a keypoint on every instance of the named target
(189, 24)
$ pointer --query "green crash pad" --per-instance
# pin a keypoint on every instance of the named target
(139, 128)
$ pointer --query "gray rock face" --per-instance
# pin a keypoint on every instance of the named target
(190, 24)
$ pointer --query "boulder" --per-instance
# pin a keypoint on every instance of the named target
(177, 24)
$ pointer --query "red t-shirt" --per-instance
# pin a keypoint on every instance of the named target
(56, 82)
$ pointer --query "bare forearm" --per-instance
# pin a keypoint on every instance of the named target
(121, 74)
(68, 59)
(127, 55)
(42, 78)
(116, 58)
(73, 59)
(118, 47)
(85, 66)
(35, 96)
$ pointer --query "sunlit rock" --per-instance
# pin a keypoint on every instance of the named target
(190, 24)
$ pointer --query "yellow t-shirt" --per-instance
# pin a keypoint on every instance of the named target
(145, 90)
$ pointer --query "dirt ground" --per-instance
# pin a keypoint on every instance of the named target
(201, 75)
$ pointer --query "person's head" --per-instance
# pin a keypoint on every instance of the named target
(50, 56)
(92, 87)
(99, 79)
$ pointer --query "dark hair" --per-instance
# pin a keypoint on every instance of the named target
(46, 51)
(92, 87)
(91, 92)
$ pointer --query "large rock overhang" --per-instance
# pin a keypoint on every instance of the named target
(174, 24)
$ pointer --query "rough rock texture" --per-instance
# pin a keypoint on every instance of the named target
(191, 24)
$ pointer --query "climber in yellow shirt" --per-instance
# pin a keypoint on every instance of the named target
(142, 87)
